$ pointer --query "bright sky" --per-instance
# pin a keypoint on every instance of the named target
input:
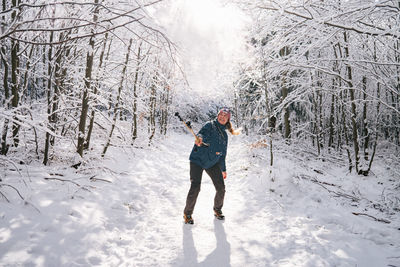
(210, 36)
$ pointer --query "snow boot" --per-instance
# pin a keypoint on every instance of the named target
(218, 214)
(188, 219)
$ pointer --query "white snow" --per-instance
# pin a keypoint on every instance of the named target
(132, 214)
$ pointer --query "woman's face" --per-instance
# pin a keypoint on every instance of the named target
(223, 118)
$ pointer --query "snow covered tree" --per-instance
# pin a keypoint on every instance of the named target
(355, 82)
(66, 77)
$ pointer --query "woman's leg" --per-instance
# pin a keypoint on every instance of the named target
(216, 176)
(195, 181)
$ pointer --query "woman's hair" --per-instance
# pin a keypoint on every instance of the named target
(229, 127)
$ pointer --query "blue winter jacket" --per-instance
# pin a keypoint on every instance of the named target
(214, 134)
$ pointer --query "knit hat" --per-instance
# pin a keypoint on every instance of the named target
(226, 111)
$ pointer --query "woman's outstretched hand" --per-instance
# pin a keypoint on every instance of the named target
(198, 141)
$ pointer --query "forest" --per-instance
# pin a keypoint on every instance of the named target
(324, 72)
(93, 160)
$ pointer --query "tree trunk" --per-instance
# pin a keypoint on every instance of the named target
(286, 114)
(365, 126)
(353, 105)
(64, 86)
(378, 91)
(14, 79)
(57, 91)
(87, 88)
(164, 102)
(53, 93)
(236, 96)
(96, 86)
(49, 74)
(343, 114)
(135, 85)
(336, 83)
(284, 52)
(332, 118)
(271, 125)
(346, 137)
(396, 102)
(152, 120)
(320, 113)
(316, 121)
(4, 145)
(378, 105)
(26, 75)
(116, 107)
(339, 143)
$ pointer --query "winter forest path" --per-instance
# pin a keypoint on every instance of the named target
(160, 238)
(261, 227)
(135, 219)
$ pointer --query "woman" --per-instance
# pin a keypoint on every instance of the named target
(209, 153)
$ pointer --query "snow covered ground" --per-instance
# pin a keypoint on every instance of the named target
(127, 211)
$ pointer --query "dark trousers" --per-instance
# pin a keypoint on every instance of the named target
(196, 173)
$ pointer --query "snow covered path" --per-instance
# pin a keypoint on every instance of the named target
(137, 219)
